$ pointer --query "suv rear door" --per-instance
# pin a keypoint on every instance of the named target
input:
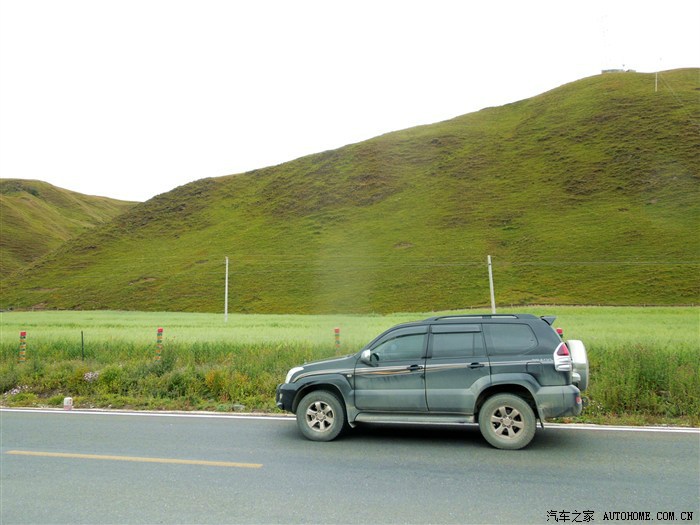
(456, 360)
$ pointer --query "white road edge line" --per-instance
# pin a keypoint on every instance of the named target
(208, 415)
(611, 428)
(213, 415)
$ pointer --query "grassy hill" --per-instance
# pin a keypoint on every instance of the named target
(36, 218)
(587, 194)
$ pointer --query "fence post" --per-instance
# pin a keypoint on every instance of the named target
(22, 347)
(159, 344)
(493, 296)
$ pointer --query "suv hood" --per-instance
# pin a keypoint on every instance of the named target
(336, 365)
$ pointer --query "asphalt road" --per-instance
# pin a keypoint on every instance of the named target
(73, 467)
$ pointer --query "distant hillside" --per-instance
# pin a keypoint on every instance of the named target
(587, 194)
(36, 218)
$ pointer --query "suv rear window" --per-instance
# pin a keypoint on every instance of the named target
(456, 340)
(510, 338)
(457, 345)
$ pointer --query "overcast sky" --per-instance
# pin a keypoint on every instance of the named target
(131, 98)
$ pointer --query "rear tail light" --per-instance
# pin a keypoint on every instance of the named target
(562, 358)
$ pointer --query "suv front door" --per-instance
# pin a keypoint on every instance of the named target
(395, 379)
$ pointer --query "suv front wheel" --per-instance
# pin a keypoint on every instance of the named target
(320, 416)
(507, 421)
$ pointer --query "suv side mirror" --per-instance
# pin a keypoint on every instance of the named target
(366, 357)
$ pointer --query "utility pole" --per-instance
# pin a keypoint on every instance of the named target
(226, 295)
(493, 296)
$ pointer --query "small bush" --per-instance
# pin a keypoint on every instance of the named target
(9, 378)
(55, 401)
(23, 399)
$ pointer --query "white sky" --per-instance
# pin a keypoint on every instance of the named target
(131, 98)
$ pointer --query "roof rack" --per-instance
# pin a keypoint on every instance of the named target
(475, 316)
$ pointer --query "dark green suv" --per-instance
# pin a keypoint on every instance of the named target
(502, 371)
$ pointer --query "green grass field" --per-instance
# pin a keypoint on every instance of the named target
(645, 362)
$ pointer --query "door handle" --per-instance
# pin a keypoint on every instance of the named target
(413, 368)
(474, 366)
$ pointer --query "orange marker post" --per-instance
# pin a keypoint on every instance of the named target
(159, 344)
(22, 347)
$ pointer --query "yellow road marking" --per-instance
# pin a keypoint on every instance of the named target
(134, 459)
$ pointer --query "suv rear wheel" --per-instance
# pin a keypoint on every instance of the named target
(507, 421)
(320, 416)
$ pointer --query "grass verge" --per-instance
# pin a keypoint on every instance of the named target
(645, 363)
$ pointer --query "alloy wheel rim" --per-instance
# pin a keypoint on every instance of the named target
(320, 416)
(507, 422)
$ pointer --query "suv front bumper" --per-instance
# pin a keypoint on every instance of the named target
(284, 396)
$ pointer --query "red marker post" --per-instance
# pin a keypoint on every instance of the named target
(337, 339)
(22, 347)
(159, 344)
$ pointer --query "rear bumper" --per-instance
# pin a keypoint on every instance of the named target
(559, 401)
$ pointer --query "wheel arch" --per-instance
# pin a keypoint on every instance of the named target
(517, 389)
(318, 385)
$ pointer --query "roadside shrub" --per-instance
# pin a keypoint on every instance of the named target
(55, 401)
(177, 384)
(23, 399)
(219, 384)
(645, 379)
(9, 378)
(165, 364)
(114, 379)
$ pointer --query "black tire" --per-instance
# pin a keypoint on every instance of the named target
(320, 416)
(507, 421)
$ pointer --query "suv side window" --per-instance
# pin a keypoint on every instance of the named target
(405, 346)
(456, 341)
(511, 338)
